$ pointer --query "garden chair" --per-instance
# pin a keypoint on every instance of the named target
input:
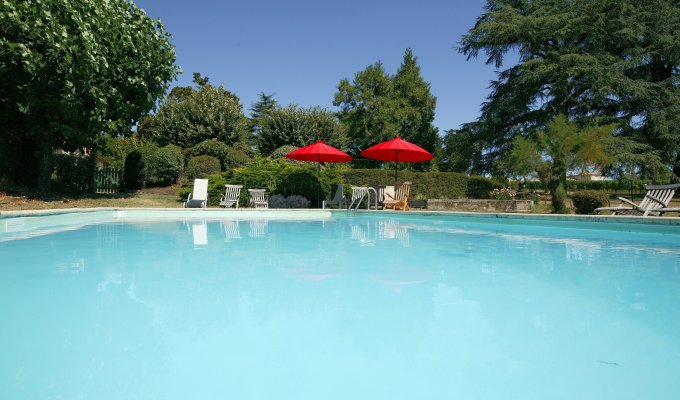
(385, 193)
(231, 196)
(258, 199)
(400, 199)
(199, 197)
(655, 202)
(338, 199)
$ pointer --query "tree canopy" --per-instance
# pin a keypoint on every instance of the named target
(188, 117)
(72, 72)
(376, 106)
(595, 61)
(297, 126)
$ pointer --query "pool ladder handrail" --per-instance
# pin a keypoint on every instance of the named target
(358, 195)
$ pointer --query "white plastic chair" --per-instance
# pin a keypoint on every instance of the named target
(199, 197)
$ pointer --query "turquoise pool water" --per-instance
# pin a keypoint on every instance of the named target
(140, 305)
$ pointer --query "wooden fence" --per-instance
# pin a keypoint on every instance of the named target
(108, 180)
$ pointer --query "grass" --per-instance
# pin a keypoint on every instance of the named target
(148, 198)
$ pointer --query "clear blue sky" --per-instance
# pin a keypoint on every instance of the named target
(299, 50)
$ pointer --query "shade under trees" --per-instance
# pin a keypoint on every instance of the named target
(71, 73)
(594, 61)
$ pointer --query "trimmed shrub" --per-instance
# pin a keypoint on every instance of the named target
(586, 201)
(133, 171)
(72, 174)
(235, 158)
(163, 166)
(202, 166)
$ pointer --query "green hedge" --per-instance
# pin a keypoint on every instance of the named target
(278, 176)
(430, 185)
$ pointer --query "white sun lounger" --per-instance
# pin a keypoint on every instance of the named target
(199, 197)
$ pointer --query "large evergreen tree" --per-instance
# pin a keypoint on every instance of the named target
(72, 72)
(376, 106)
(595, 61)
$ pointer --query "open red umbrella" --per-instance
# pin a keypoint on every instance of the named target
(319, 152)
(397, 150)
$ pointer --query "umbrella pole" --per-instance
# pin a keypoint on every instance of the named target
(318, 177)
(396, 164)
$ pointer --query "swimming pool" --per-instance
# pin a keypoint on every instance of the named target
(320, 305)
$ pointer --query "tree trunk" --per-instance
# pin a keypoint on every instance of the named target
(44, 157)
(558, 187)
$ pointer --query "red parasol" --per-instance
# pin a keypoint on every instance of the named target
(319, 152)
(397, 150)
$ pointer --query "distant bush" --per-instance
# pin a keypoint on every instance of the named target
(229, 157)
(236, 158)
(293, 201)
(73, 174)
(282, 151)
(116, 149)
(202, 166)
(586, 201)
(163, 166)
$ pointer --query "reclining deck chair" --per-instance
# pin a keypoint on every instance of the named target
(385, 193)
(400, 199)
(655, 202)
(231, 196)
(338, 199)
(199, 197)
(258, 199)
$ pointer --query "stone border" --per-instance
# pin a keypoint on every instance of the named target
(520, 216)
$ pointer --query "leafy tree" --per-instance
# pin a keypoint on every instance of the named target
(595, 61)
(561, 147)
(72, 72)
(191, 117)
(296, 126)
(376, 106)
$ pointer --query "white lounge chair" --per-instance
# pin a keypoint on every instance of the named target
(199, 197)
(655, 202)
(231, 196)
(258, 199)
(338, 199)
